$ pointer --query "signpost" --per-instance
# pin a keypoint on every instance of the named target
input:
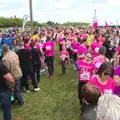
(31, 16)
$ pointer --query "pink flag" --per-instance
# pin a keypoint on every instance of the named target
(95, 25)
(106, 25)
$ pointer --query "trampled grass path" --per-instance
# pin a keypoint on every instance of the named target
(57, 99)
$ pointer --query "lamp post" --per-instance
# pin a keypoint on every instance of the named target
(31, 17)
(117, 21)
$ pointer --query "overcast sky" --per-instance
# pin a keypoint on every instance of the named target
(63, 10)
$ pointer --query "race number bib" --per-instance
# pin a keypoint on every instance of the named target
(63, 57)
(97, 49)
(75, 50)
(82, 37)
(48, 47)
(85, 76)
(61, 42)
(69, 44)
(108, 92)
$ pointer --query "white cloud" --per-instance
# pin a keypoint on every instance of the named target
(63, 10)
(1, 6)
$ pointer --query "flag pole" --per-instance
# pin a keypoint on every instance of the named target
(94, 16)
(31, 17)
(95, 13)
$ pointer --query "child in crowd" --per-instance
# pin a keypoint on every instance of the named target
(64, 55)
(75, 46)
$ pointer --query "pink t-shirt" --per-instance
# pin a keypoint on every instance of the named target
(27, 47)
(82, 49)
(38, 46)
(95, 46)
(49, 48)
(86, 71)
(70, 39)
(64, 54)
(97, 61)
(101, 39)
(75, 47)
(105, 89)
(60, 39)
(81, 36)
(85, 36)
(118, 50)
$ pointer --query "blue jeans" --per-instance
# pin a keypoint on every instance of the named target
(17, 93)
(5, 100)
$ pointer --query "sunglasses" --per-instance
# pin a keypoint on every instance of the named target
(106, 73)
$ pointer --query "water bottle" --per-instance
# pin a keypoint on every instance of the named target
(77, 66)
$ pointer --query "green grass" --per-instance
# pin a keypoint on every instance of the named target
(57, 99)
(3, 28)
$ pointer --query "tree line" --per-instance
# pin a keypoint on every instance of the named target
(18, 22)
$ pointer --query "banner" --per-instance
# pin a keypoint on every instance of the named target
(25, 19)
(106, 25)
(95, 24)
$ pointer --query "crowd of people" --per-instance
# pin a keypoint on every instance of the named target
(95, 55)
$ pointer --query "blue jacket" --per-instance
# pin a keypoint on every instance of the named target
(8, 41)
(0, 47)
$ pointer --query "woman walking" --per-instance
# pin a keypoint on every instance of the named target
(48, 48)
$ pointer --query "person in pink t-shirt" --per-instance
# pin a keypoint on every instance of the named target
(94, 47)
(74, 47)
(85, 70)
(48, 48)
(69, 42)
(102, 38)
(37, 45)
(83, 47)
(64, 59)
(97, 61)
(103, 80)
(85, 35)
(27, 46)
(60, 40)
(27, 43)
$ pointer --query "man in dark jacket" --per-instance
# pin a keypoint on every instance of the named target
(91, 96)
(25, 57)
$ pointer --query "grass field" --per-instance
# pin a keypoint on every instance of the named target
(57, 99)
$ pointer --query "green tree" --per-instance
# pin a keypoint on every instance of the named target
(50, 23)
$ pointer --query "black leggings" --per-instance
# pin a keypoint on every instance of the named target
(60, 47)
(70, 53)
(64, 67)
(50, 64)
(37, 71)
(75, 57)
(24, 80)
